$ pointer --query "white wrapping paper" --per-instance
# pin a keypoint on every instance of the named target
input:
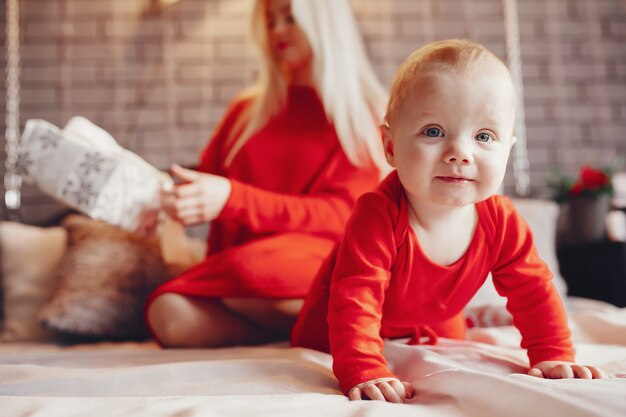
(84, 167)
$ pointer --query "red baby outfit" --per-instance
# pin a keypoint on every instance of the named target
(384, 286)
(292, 191)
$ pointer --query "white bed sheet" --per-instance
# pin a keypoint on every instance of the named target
(482, 377)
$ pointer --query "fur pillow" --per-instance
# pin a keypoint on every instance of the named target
(104, 280)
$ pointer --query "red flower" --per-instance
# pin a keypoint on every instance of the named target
(591, 182)
(591, 178)
(576, 189)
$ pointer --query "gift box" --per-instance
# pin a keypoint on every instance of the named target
(85, 168)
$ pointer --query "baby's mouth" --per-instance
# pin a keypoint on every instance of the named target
(454, 180)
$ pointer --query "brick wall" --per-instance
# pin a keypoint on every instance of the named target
(160, 81)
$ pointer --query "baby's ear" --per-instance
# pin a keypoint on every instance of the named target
(385, 133)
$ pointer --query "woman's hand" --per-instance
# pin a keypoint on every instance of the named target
(199, 198)
(564, 370)
(382, 389)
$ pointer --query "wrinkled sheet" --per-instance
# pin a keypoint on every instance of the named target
(483, 376)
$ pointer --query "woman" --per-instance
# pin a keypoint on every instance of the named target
(277, 180)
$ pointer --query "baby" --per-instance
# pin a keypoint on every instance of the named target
(417, 249)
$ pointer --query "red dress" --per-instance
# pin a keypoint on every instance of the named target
(384, 286)
(293, 189)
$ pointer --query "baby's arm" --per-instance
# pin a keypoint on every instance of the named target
(382, 389)
(355, 306)
(565, 370)
(524, 278)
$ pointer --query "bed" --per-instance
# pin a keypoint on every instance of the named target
(482, 376)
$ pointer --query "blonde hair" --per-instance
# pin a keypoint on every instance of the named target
(446, 55)
(354, 100)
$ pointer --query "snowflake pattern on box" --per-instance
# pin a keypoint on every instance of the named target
(82, 186)
(50, 139)
(98, 183)
(23, 166)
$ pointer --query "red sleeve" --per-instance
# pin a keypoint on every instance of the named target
(524, 278)
(357, 292)
(323, 211)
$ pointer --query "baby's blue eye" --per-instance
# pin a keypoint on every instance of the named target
(433, 132)
(483, 137)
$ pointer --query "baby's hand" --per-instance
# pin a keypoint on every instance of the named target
(382, 389)
(563, 370)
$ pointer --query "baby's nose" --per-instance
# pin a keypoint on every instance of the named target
(459, 152)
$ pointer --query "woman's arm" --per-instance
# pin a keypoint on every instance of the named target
(324, 210)
(203, 197)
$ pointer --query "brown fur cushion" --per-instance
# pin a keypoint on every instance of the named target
(104, 280)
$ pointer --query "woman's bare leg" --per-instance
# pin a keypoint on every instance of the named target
(279, 315)
(269, 262)
(180, 321)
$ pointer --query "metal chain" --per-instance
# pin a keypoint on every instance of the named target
(521, 164)
(12, 181)
(169, 62)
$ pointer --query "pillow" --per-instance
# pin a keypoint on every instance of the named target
(541, 216)
(103, 282)
(27, 258)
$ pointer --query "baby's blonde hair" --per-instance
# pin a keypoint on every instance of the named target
(446, 56)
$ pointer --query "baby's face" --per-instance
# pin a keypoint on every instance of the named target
(451, 138)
